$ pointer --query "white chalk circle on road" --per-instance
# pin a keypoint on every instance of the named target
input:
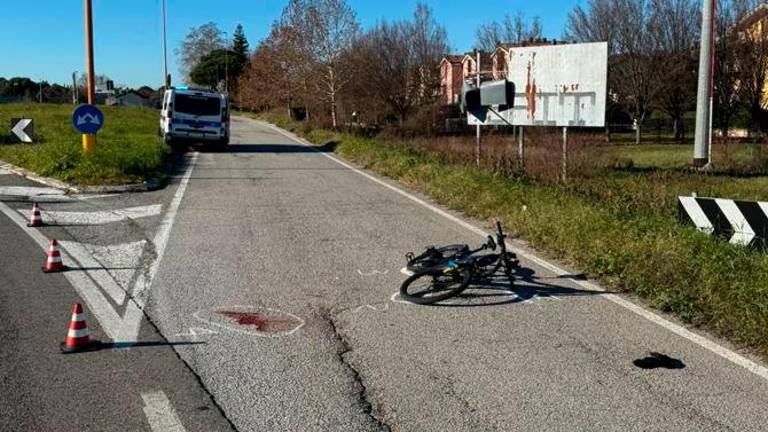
(252, 320)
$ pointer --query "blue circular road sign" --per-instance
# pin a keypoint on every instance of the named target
(87, 119)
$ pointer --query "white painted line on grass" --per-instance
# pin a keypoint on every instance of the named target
(160, 413)
(144, 281)
(119, 328)
(99, 217)
(681, 331)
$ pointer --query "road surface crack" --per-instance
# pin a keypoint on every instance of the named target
(362, 391)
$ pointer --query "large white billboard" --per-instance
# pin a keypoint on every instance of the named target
(556, 85)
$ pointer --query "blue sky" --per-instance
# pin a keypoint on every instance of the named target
(43, 39)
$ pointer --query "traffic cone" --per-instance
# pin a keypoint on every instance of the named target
(37, 219)
(53, 263)
(78, 339)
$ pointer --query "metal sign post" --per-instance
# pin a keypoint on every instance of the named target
(89, 140)
(477, 133)
(520, 150)
(564, 172)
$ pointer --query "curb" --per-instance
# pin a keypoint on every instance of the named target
(149, 185)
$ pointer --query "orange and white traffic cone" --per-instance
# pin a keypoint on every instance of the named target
(78, 338)
(53, 263)
(36, 220)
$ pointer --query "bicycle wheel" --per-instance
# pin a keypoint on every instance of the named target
(436, 256)
(434, 284)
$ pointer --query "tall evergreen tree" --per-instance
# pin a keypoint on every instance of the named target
(240, 42)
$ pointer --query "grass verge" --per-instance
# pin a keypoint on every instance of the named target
(128, 149)
(600, 228)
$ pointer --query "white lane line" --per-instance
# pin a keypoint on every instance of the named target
(123, 328)
(144, 281)
(99, 217)
(160, 413)
(681, 331)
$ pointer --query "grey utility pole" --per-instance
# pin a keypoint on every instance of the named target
(701, 149)
(166, 81)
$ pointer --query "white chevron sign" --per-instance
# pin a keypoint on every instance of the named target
(19, 128)
(741, 222)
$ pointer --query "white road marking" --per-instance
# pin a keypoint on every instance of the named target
(99, 217)
(249, 332)
(144, 281)
(194, 332)
(372, 272)
(119, 328)
(681, 331)
(160, 413)
(29, 191)
(371, 307)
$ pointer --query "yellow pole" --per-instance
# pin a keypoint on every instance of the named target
(89, 140)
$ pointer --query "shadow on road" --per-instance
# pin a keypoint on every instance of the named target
(125, 345)
(328, 147)
(497, 290)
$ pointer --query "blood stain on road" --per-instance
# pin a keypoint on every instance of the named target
(262, 322)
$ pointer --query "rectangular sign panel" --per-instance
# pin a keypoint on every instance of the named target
(556, 85)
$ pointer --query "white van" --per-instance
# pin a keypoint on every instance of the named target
(194, 115)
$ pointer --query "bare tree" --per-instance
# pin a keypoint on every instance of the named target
(396, 64)
(752, 74)
(593, 24)
(429, 43)
(199, 42)
(726, 74)
(633, 77)
(333, 28)
(509, 30)
(674, 29)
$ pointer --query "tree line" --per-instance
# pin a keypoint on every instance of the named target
(317, 62)
(654, 54)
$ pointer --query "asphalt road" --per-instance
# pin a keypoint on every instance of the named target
(134, 384)
(285, 262)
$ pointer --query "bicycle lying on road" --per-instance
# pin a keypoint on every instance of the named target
(443, 272)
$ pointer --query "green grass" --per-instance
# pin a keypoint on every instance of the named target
(128, 149)
(617, 227)
(667, 156)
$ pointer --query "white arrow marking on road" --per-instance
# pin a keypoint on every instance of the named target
(160, 413)
(697, 215)
(18, 130)
(100, 217)
(743, 233)
(123, 328)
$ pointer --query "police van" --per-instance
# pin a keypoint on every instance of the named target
(194, 115)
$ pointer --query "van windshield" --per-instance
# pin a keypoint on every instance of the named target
(197, 105)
